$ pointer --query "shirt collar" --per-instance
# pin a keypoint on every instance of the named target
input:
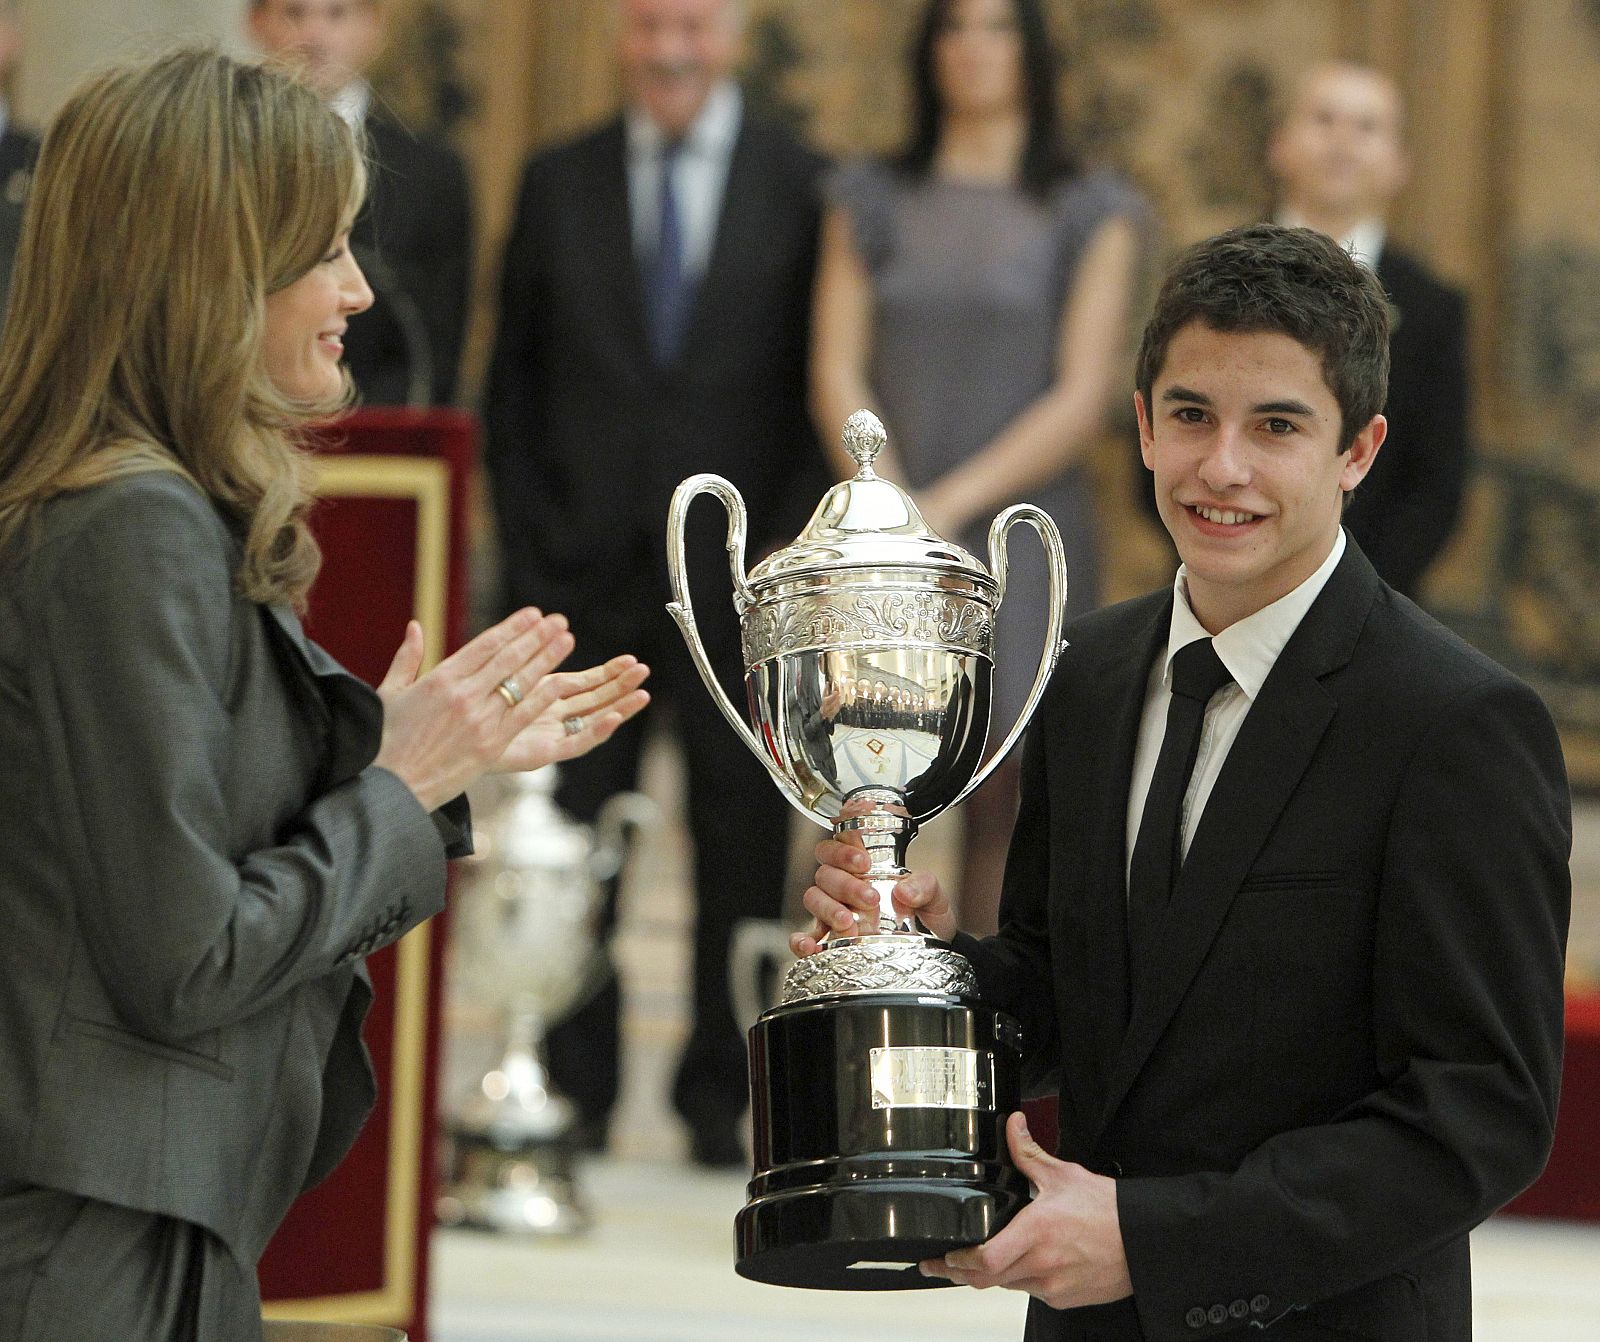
(352, 102)
(1364, 241)
(712, 132)
(1249, 647)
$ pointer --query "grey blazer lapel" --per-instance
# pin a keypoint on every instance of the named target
(1273, 749)
(352, 711)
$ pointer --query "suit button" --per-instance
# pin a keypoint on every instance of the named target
(1217, 1314)
(1195, 1318)
(1259, 1304)
(1238, 1309)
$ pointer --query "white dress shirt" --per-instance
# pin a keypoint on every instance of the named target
(699, 175)
(352, 102)
(1249, 648)
(1364, 241)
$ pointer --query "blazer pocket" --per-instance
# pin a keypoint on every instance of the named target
(115, 1034)
(1290, 881)
(1387, 1310)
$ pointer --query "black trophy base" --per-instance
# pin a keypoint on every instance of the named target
(865, 1239)
(863, 1171)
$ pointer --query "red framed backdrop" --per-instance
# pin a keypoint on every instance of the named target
(392, 523)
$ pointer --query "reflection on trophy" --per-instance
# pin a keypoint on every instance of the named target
(524, 942)
(880, 1084)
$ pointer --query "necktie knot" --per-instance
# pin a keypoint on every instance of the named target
(1197, 671)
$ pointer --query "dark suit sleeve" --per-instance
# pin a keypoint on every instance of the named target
(1431, 454)
(511, 401)
(1014, 966)
(132, 683)
(1467, 1012)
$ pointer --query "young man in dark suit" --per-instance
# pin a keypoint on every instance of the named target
(654, 324)
(414, 236)
(1287, 898)
(1339, 162)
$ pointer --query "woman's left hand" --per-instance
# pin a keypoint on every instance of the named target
(589, 706)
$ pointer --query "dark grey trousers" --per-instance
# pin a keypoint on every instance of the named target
(74, 1270)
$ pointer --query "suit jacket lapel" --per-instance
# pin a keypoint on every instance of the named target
(1098, 811)
(738, 231)
(608, 234)
(1273, 749)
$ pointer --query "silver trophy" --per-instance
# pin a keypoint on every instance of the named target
(868, 651)
(524, 943)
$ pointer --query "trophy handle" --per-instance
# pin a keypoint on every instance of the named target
(681, 608)
(1056, 561)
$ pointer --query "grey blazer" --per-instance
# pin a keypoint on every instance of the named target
(195, 853)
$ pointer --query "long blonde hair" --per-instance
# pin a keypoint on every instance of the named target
(171, 197)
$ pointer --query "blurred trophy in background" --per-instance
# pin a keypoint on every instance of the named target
(880, 1084)
(525, 945)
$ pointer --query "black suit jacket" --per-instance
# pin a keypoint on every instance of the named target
(587, 439)
(414, 240)
(1349, 1051)
(18, 150)
(1405, 510)
(198, 853)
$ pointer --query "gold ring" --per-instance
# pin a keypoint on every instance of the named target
(510, 691)
(572, 726)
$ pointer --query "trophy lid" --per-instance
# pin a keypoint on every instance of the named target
(868, 522)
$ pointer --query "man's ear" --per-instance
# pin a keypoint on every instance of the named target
(1146, 434)
(1363, 452)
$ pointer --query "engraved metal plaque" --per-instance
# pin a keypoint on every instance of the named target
(928, 1078)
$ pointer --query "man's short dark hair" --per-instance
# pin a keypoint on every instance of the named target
(1289, 280)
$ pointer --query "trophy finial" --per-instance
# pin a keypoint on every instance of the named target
(864, 437)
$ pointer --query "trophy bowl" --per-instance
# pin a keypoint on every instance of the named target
(880, 1084)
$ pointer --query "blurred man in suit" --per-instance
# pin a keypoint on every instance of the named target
(654, 324)
(414, 238)
(18, 149)
(1339, 163)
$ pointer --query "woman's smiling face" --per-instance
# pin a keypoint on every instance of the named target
(305, 325)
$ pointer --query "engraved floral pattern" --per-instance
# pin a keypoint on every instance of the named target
(846, 619)
(879, 967)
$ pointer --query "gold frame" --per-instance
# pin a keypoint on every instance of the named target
(426, 481)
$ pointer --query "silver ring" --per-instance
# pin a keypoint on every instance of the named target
(510, 691)
(572, 726)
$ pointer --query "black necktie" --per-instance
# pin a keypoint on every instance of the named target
(1197, 674)
(667, 284)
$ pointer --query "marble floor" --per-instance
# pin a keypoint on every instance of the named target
(657, 1265)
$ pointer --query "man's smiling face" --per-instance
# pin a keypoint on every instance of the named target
(1242, 434)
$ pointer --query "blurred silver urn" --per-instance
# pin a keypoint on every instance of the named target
(868, 649)
(525, 947)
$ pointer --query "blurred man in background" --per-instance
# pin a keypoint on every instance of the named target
(18, 149)
(654, 323)
(1339, 163)
(414, 238)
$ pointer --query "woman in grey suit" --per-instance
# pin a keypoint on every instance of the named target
(205, 823)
